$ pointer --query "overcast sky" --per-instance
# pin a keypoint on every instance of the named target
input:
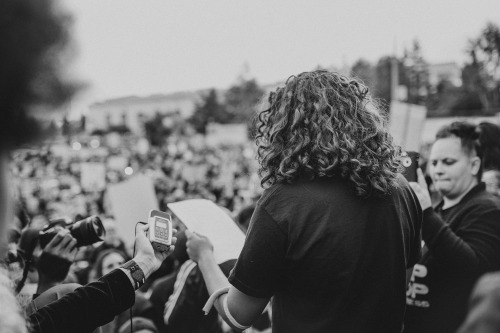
(132, 47)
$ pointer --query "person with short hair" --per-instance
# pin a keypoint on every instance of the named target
(461, 234)
(337, 227)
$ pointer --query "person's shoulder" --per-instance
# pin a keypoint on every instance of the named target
(485, 200)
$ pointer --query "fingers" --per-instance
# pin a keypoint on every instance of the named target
(61, 241)
(421, 179)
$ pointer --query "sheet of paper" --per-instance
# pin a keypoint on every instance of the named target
(206, 218)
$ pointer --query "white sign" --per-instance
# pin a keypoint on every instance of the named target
(206, 218)
(93, 176)
(194, 173)
(118, 163)
(406, 124)
(227, 134)
(131, 202)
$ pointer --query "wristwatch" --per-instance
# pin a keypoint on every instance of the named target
(136, 273)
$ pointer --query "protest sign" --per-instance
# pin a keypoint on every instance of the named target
(406, 124)
(130, 202)
(226, 134)
(93, 176)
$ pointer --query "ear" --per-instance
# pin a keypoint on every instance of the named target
(475, 165)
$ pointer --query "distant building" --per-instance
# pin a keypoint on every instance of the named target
(446, 71)
(132, 111)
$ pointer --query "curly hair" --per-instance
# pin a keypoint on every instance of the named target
(32, 36)
(324, 124)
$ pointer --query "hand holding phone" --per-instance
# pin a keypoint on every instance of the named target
(409, 160)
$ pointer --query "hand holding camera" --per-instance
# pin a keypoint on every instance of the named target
(56, 259)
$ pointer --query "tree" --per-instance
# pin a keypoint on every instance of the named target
(415, 74)
(209, 110)
(382, 85)
(484, 67)
(155, 131)
(242, 99)
(363, 70)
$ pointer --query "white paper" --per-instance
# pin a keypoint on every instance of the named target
(206, 218)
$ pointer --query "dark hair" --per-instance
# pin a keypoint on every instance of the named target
(489, 138)
(102, 256)
(468, 134)
(324, 124)
(32, 37)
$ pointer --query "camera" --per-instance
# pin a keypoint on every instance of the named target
(86, 232)
(409, 160)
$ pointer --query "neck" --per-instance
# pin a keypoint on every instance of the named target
(450, 202)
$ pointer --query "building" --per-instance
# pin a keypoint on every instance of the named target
(132, 111)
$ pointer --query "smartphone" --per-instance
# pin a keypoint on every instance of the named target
(409, 160)
(160, 230)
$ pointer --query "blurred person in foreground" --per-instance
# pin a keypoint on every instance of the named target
(337, 227)
(461, 234)
(33, 34)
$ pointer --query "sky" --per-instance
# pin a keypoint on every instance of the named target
(132, 47)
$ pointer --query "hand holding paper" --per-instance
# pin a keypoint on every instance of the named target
(198, 246)
(207, 219)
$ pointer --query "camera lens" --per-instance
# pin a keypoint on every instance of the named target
(88, 231)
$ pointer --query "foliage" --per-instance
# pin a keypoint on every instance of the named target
(363, 70)
(209, 110)
(415, 75)
(484, 67)
(155, 131)
(242, 99)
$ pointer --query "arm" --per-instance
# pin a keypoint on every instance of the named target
(243, 308)
(475, 247)
(97, 303)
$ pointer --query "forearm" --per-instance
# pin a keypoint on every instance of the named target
(212, 274)
(86, 308)
(470, 250)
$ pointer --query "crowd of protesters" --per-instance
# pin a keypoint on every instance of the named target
(333, 243)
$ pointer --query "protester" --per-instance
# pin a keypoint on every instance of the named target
(182, 310)
(461, 234)
(30, 80)
(336, 229)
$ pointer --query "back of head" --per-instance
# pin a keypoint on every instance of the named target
(139, 324)
(468, 134)
(489, 138)
(33, 35)
(324, 124)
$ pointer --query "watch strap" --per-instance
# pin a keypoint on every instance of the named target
(136, 273)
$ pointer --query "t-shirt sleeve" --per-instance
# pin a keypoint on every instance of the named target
(260, 266)
(416, 245)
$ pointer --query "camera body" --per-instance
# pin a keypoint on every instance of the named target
(86, 232)
(409, 160)
(160, 230)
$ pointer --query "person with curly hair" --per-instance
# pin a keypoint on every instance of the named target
(461, 234)
(337, 229)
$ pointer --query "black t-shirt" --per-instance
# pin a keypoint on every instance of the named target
(332, 261)
(461, 243)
